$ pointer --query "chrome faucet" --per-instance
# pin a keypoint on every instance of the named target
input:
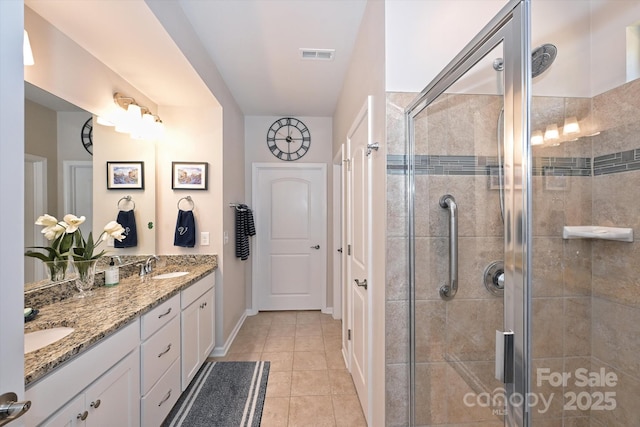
(147, 267)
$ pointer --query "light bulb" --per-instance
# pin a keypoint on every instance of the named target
(27, 53)
(537, 138)
(570, 126)
(551, 133)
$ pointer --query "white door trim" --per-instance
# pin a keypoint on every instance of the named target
(255, 167)
(337, 234)
(69, 170)
(37, 206)
(364, 115)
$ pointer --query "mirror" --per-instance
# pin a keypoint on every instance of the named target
(60, 176)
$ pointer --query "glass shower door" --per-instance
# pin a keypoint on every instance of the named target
(466, 228)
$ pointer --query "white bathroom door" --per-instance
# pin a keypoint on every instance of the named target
(78, 191)
(290, 255)
(35, 204)
(360, 252)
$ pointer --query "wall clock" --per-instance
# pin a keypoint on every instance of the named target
(288, 139)
(86, 135)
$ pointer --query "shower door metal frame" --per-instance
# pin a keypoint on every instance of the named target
(511, 26)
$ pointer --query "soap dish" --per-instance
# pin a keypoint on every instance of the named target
(31, 315)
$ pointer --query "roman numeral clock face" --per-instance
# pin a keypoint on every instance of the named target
(288, 139)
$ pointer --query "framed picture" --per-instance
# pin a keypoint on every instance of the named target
(125, 175)
(189, 175)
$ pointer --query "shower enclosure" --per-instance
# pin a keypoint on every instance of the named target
(530, 316)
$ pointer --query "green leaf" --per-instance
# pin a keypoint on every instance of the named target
(52, 253)
(38, 255)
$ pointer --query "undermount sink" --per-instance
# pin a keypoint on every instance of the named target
(171, 275)
(42, 338)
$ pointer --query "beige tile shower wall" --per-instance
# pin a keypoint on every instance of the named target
(616, 270)
(455, 339)
(397, 281)
(561, 270)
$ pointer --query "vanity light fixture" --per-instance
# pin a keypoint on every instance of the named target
(537, 138)
(571, 126)
(135, 119)
(551, 133)
(27, 53)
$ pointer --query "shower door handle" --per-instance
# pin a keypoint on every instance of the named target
(504, 356)
(449, 290)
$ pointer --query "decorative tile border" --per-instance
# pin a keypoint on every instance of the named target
(486, 165)
(617, 162)
(623, 161)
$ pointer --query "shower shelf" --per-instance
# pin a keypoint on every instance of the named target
(598, 232)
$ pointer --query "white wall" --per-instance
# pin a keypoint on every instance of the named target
(40, 140)
(230, 276)
(196, 136)
(422, 37)
(609, 20)
(256, 150)
(112, 146)
(365, 77)
(12, 195)
(70, 147)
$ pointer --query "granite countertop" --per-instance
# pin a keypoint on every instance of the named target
(106, 311)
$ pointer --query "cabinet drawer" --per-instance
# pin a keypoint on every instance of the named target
(158, 352)
(193, 292)
(153, 320)
(159, 401)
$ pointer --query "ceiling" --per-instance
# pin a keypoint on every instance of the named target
(254, 43)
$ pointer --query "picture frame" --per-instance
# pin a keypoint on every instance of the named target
(125, 175)
(189, 175)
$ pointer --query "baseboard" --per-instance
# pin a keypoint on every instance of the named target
(327, 310)
(222, 351)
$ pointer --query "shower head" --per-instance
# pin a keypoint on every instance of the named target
(541, 59)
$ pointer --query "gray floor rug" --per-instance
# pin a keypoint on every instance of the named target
(225, 394)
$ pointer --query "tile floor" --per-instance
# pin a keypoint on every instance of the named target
(308, 382)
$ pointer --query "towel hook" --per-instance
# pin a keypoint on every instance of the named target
(188, 199)
(127, 199)
(238, 207)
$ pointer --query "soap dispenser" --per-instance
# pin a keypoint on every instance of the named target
(112, 274)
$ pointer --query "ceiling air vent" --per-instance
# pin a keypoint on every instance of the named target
(318, 54)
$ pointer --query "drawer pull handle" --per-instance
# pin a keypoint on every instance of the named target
(96, 404)
(83, 416)
(164, 314)
(166, 351)
(166, 397)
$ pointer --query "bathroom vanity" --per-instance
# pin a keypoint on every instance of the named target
(133, 350)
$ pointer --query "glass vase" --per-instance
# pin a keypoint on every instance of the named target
(56, 269)
(85, 276)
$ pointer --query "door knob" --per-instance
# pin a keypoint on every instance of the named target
(359, 283)
(10, 408)
(315, 247)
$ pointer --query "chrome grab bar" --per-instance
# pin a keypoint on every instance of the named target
(448, 291)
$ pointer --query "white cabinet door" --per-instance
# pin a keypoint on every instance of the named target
(189, 354)
(72, 415)
(111, 400)
(198, 326)
(114, 399)
(206, 326)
